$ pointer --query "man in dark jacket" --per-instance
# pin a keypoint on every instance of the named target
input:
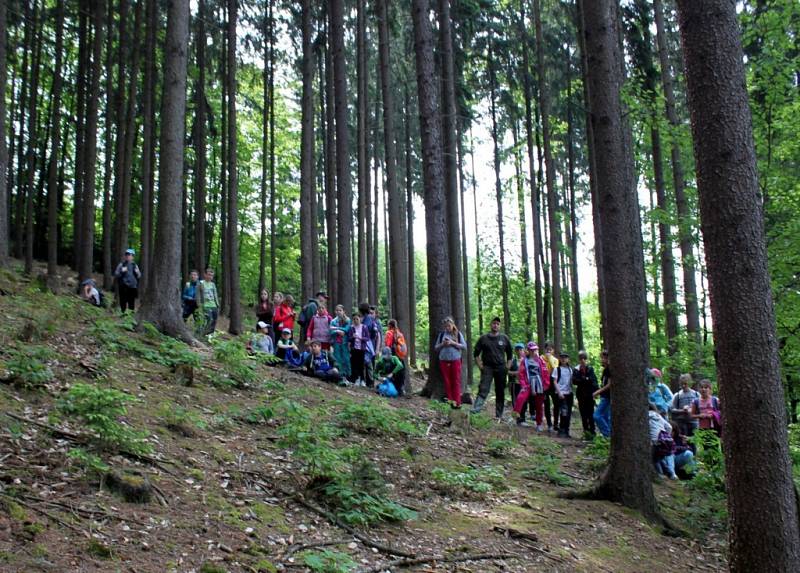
(585, 381)
(127, 275)
(493, 357)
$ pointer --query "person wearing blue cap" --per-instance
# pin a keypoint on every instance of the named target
(127, 276)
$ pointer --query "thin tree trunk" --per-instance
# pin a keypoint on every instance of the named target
(541, 235)
(262, 250)
(552, 199)
(120, 201)
(149, 136)
(374, 294)
(498, 189)
(478, 265)
(55, 144)
(387, 260)
(363, 159)
(18, 207)
(273, 275)
(308, 217)
(573, 219)
(32, 141)
(83, 77)
(681, 203)
(450, 163)
(434, 194)
(3, 146)
(628, 477)
(330, 178)
(654, 269)
(161, 304)
(764, 532)
(412, 279)
(344, 194)
(529, 135)
(225, 283)
(235, 326)
(397, 200)
(93, 98)
(108, 119)
(523, 229)
(465, 388)
(199, 141)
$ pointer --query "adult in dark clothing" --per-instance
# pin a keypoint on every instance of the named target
(493, 357)
(127, 275)
(585, 381)
(602, 414)
(264, 308)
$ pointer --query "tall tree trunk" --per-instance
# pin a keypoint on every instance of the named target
(108, 151)
(681, 203)
(386, 256)
(83, 78)
(225, 283)
(344, 194)
(149, 136)
(498, 188)
(573, 219)
(235, 326)
(32, 141)
(374, 287)
(478, 265)
(262, 259)
(541, 236)
(55, 144)
(330, 178)
(541, 332)
(764, 533)
(550, 174)
(18, 207)
(273, 275)
(449, 119)
(628, 477)
(3, 146)
(93, 98)
(523, 228)
(161, 303)
(363, 159)
(121, 202)
(199, 141)
(412, 279)
(308, 217)
(439, 303)
(591, 154)
(465, 388)
(397, 200)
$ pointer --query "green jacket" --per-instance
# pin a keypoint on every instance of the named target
(384, 367)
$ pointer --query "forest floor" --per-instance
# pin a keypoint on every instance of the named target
(238, 472)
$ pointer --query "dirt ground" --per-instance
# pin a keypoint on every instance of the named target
(228, 498)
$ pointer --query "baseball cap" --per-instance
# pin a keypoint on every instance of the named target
(130, 252)
(261, 324)
(496, 319)
(286, 331)
(518, 345)
(533, 346)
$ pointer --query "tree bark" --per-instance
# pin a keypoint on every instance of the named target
(478, 265)
(397, 200)
(573, 219)
(764, 532)
(93, 98)
(684, 216)
(83, 77)
(55, 144)
(412, 278)
(235, 315)
(550, 174)
(262, 243)
(121, 202)
(108, 151)
(344, 194)
(161, 303)
(330, 178)
(273, 198)
(628, 477)
(363, 159)
(148, 138)
(32, 141)
(20, 180)
(523, 229)
(465, 388)
(308, 217)
(439, 303)
(449, 118)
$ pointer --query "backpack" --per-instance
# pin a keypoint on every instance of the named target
(399, 347)
(665, 445)
(386, 388)
(307, 314)
(716, 420)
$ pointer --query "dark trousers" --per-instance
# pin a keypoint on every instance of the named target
(499, 375)
(586, 408)
(564, 409)
(550, 395)
(357, 364)
(399, 381)
(127, 297)
(189, 306)
(211, 320)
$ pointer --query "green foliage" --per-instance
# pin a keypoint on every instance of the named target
(238, 370)
(794, 450)
(597, 451)
(90, 463)
(546, 467)
(116, 335)
(439, 407)
(178, 418)
(467, 480)
(499, 448)
(375, 417)
(355, 506)
(27, 366)
(100, 410)
(259, 415)
(480, 421)
(327, 561)
(710, 475)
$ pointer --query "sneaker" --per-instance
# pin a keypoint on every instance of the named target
(523, 424)
(673, 477)
(539, 428)
(477, 406)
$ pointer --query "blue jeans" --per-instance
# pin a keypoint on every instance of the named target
(602, 416)
(683, 459)
(211, 320)
(666, 465)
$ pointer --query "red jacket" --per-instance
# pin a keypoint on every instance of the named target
(283, 317)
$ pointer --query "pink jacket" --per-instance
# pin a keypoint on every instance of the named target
(319, 328)
(523, 373)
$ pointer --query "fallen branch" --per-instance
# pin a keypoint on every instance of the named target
(438, 559)
(46, 514)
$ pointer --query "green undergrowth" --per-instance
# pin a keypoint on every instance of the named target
(328, 561)
(374, 416)
(28, 365)
(462, 481)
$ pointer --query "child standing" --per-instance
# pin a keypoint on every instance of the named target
(189, 295)
(128, 274)
(586, 384)
(450, 345)
(339, 331)
(562, 378)
(319, 328)
(533, 383)
(209, 301)
(359, 343)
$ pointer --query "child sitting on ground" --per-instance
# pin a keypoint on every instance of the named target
(287, 349)
(262, 341)
(391, 367)
(319, 364)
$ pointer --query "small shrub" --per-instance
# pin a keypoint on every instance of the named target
(180, 419)
(499, 448)
(546, 467)
(91, 464)
(259, 415)
(375, 417)
(480, 421)
(468, 480)
(710, 474)
(439, 407)
(596, 453)
(238, 369)
(27, 366)
(327, 561)
(357, 507)
(100, 409)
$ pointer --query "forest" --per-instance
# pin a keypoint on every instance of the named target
(602, 175)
